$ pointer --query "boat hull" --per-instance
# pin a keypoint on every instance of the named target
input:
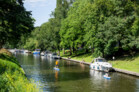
(36, 52)
(56, 57)
(100, 68)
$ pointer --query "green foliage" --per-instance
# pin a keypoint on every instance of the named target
(15, 21)
(8, 58)
(47, 35)
(135, 27)
(16, 82)
(12, 76)
(107, 26)
(127, 63)
(78, 55)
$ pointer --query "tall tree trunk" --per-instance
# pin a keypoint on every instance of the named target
(70, 51)
(64, 51)
(59, 52)
(74, 49)
(86, 50)
(103, 55)
(1, 45)
(120, 50)
(93, 49)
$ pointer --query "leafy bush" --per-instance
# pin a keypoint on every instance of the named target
(12, 76)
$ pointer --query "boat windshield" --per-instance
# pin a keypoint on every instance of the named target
(101, 60)
(54, 54)
(37, 49)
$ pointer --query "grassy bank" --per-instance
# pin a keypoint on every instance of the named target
(126, 63)
(78, 55)
(12, 76)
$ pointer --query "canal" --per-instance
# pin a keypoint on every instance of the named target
(73, 77)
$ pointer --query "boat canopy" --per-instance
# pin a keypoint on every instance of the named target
(100, 60)
(37, 49)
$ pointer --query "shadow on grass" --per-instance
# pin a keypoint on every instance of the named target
(83, 55)
(79, 53)
(127, 57)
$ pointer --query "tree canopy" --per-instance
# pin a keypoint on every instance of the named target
(15, 21)
(106, 27)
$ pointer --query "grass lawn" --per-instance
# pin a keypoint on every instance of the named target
(127, 63)
(80, 55)
(85, 57)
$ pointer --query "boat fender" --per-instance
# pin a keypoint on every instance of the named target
(93, 67)
(98, 67)
(90, 66)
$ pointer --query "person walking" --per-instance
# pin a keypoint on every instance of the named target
(113, 58)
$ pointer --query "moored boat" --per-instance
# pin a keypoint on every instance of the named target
(37, 51)
(42, 53)
(27, 51)
(100, 64)
(55, 56)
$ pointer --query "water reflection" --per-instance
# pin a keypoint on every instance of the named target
(137, 83)
(82, 66)
(73, 77)
(56, 75)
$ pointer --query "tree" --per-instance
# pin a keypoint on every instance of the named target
(106, 26)
(15, 21)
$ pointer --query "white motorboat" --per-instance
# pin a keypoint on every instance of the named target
(101, 64)
(54, 56)
(42, 53)
(50, 55)
(27, 51)
(12, 50)
(57, 57)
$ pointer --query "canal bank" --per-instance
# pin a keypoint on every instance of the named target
(115, 69)
(12, 76)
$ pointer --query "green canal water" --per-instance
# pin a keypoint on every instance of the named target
(73, 77)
